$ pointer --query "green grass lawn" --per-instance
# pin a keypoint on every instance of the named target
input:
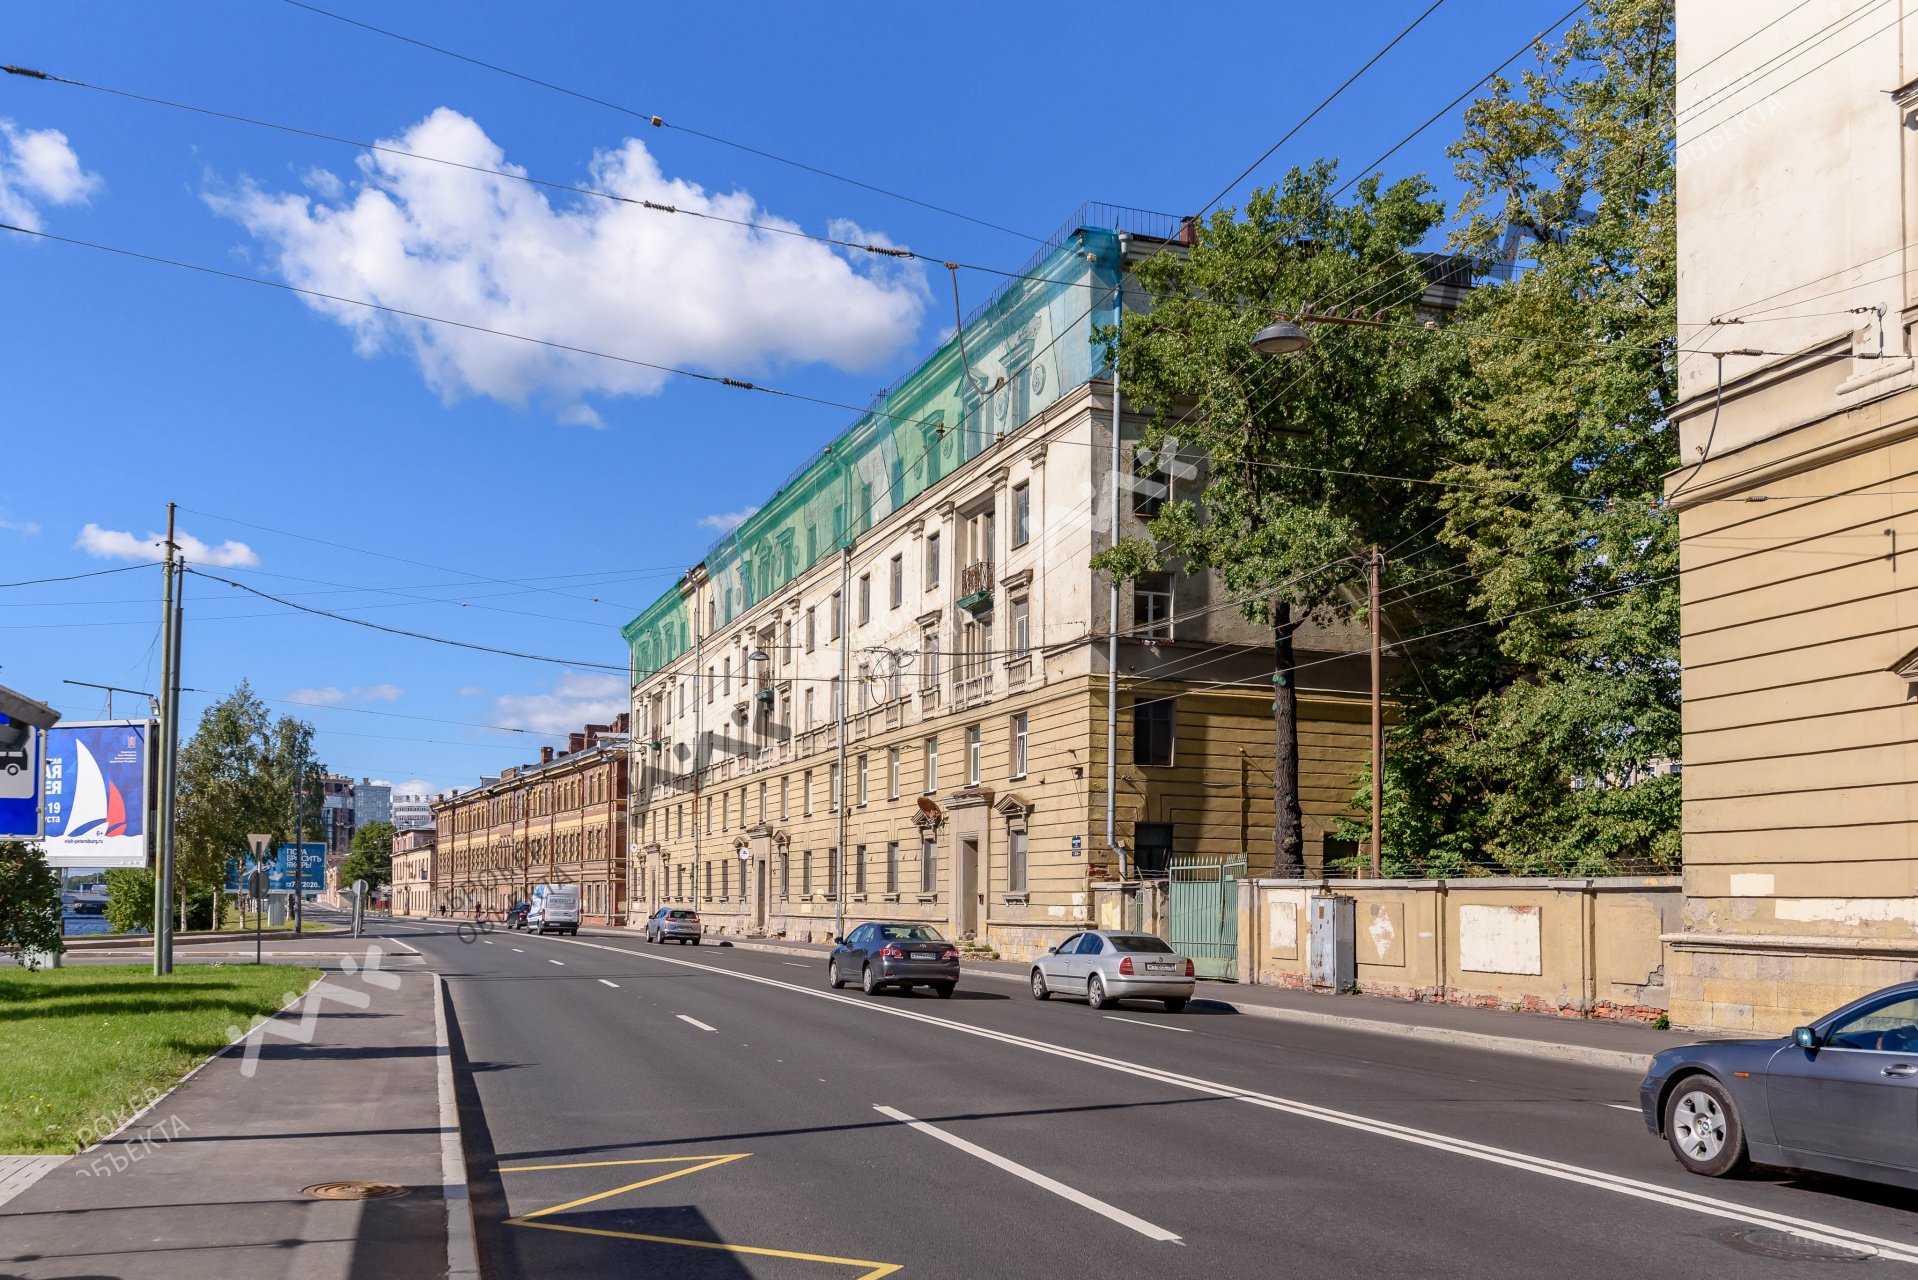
(79, 1046)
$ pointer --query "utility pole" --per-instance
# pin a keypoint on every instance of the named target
(839, 791)
(1374, 565)
(173, 741)
(169, 713)
(299, 830)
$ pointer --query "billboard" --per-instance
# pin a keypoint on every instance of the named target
(279, 872)
(95, 781)
(19, 772)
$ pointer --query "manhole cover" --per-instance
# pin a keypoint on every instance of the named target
(353, 1190)
(1788, 1247)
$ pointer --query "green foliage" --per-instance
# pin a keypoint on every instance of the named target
(237, 777)
(130, 899)
(371, 856)
(29, 900)
(1518, 738)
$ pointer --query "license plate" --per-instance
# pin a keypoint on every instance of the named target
(925, 955)
(1157, 965)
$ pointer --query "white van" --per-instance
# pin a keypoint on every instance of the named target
(555, 909)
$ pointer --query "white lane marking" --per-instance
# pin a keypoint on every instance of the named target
(1619, 1106)
(695, 1021)
(560, 962)
(521, 950)
(1033, 1176)
(487, 941)
(604, 983)
(795, 964)
(1141, 1022)
(1671, 1197)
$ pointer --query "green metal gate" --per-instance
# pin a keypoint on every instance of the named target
(1203, 911)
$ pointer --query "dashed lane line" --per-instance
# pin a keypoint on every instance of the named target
(1141, 1022)
(604, 983)
(695, 1022)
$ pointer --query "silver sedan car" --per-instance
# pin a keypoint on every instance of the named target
(1109, 965)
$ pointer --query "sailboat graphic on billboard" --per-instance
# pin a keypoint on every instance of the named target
(96, 777)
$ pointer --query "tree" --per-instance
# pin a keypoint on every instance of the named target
(29, 902)
(1527, 743)
(236, 778)
(370, 858)
(130, 899)
(1297, 449)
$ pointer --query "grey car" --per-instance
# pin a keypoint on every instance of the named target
(898, 954)
(677, 923)
(1837, 1096)
(1109, 965)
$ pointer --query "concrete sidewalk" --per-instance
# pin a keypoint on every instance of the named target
(1593, 1042)
(352, 1082)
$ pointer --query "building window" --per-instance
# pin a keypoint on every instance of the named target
(709, 815)
(928, 865)
(762, 801)
(973, 753)
(786, 649)
(785, 875)
(805, 872)
(833, 798)
(865, 598)
(859, 869)
(726, 680)
(892, 866)
(1152, 848)
(1152, 606)
(1021, 514)
(785, 794)
(835, 617)
(929, 671)
(832, 872)
(1019, 724)
(896, 577)
(725, 880)
(709, 879)
(892, 773)
(809, 793)
(1149, 492)
(812, 630)
(1021, 627)
(864, 772)
(1152, 731)
(932, 765)
(809, 709)
(932, 562)
(712, 684)
(1016, 860)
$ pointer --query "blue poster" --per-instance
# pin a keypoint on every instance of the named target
(95, 781)
(279, 871)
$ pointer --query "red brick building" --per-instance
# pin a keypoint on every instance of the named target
(561, 820)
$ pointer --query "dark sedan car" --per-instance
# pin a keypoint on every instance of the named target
(901, 956)
(1838, 1096)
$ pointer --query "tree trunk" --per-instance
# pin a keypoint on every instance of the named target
(1288, 836)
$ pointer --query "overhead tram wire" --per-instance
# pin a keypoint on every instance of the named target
(75, 577)
(764, 228)
(659, 122)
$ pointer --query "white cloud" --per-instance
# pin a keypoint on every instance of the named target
(333, 696)
(115, 544)
(580, 415)
(576, 700)
(417, 787)
(472, 691)
(727, 521)
(38, 166)
(493, 251)
(25, 528)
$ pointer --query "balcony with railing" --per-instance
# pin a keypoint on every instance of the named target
(975, 587)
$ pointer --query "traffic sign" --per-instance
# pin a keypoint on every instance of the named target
(359, 887)
(256, 884)
(258, 844)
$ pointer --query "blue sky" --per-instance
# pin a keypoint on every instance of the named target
(466, 485)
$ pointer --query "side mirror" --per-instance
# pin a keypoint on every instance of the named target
(841, 941)
(1052, 951)
(1805, 1037)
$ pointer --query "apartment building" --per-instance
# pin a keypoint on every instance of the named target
(559, 821)
(1797, 497)
(413, 850)
(929, 572)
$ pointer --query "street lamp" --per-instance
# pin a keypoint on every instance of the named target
(1283, 338)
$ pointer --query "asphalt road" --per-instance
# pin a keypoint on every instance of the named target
(717, 1112)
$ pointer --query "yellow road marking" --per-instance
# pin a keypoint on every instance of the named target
(694, 1164)
(874, 1270)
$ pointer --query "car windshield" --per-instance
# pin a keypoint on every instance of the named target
(1139, 942)
(909, 933)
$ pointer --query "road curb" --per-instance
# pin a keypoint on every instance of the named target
(1557, 1051)
(462, 1253)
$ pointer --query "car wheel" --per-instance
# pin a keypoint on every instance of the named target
(1175, 1005)
(1703, 1128)
(695, 942)
(1039, 991)
(866, 982)
(832, 975)
(1096, 993)
(943, 990)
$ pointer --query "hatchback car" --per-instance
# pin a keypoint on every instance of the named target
(677, 923)
(1106, 966)
(1837, 1096)
(901, 956)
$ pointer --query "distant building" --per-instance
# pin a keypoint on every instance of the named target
(336, 815)
(560, 821)
(372, 802)
(413, 857)
(412, 810)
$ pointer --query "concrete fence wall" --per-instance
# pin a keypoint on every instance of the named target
(1586, 948)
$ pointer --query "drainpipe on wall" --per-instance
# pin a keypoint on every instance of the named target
(845, 695)
(1112, 604)
(699, 738)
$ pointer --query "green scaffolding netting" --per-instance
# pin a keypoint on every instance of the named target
(1027, 346)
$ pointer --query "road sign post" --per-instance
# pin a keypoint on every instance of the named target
(359, 906)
